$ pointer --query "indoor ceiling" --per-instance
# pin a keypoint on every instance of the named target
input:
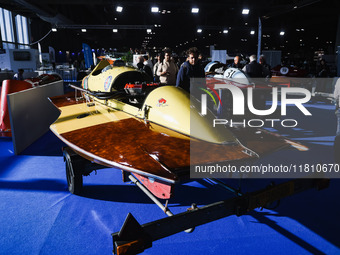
(310, 24)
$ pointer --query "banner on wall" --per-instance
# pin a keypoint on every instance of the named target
(219, 55)
(51, 52)
(87, 55)
(39, 50)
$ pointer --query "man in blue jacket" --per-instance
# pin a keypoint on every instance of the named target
(189, 69)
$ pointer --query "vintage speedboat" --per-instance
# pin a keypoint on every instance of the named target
(155, 134)
(121, 119)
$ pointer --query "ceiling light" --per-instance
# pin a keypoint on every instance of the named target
(154, 9)
(195, 10)
(115, 30)
(83, 30)
(119, 9)
(245, 11)
(282, 33)
(148, 30)
(54, 30)
(225, 31)
(252, 32)
(199, 30)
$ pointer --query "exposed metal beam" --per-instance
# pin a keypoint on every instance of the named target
(104, 26)
(289, 8)
(45, 14)
(230, 3)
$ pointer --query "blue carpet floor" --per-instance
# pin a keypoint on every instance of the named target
(39, 216)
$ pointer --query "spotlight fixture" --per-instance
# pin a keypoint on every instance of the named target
(119, 9)
(199, 30)
(195, 10)
(282, 33)
(54, 30)
(83, 30)
(148, 30)
(154, 9)
(115, 30)
(225, 31)
(245, 11)
(252, 32)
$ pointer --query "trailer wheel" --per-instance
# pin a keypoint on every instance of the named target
(73, 174)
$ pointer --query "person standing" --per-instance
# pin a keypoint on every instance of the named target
(337, 105)
(266, 67)
(253, 69)
(237, 63)
(144, 68)
(147, 61)
(323, 69)
(19, 75)
(167, 70)
(190, 69)
(337, 114)
(160, 58)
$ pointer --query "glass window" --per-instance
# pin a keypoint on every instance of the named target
(8, 26)
(18, 21)
(25, 30)
(2, 24)
(7, 31)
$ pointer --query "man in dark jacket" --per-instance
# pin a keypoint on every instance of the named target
(266, 67)
(189, 69)
(144, 68)
(253, 69)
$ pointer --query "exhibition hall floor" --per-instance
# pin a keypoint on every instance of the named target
(39, 216)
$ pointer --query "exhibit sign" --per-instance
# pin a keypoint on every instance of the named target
(87, 55)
